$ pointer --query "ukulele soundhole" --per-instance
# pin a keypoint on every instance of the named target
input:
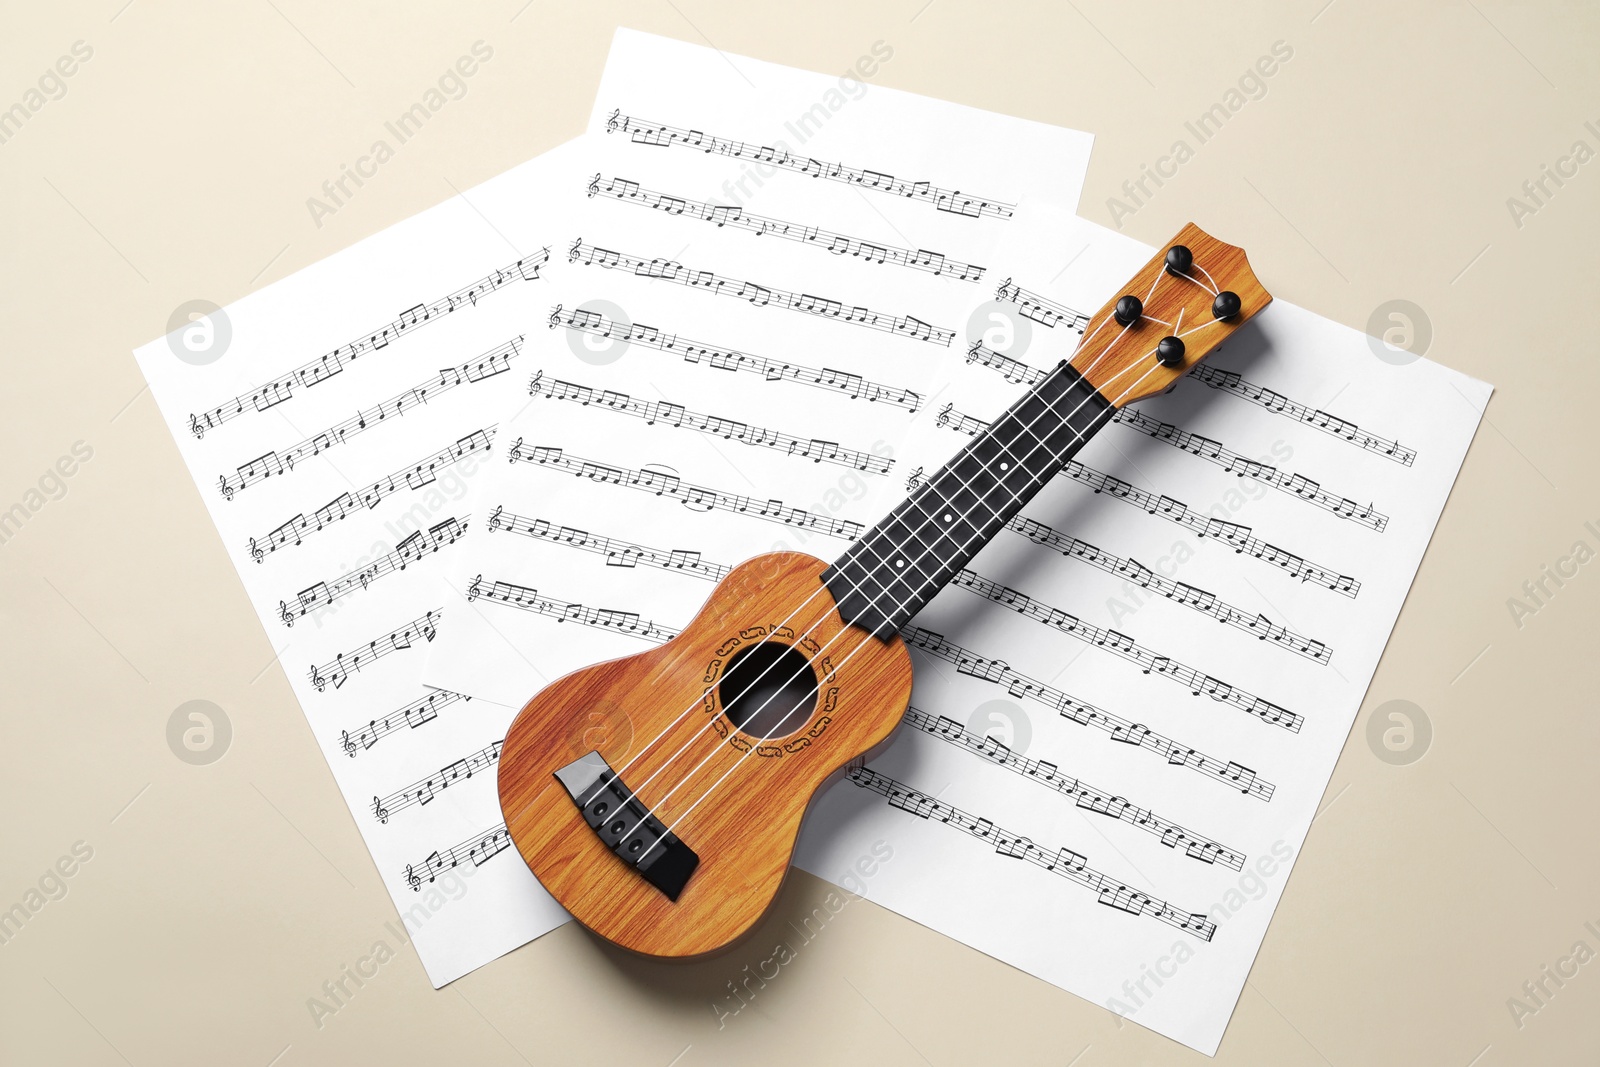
(769, 690)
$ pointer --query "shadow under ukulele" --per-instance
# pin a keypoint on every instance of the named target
(675, 842)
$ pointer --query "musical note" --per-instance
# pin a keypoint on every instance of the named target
(1069, 707)
(409, 478)
(952, 419)
(1231, 382)
(476, 850)
(675, 415)
(679, 560)
(851, 385)
(1063, 862)
(280, 389)
(760, 295)
(417, 713)
(1045, 312)
(659, 135)
(337, 670)
(496, 361)
(526, 599)
(1123, 646)
(723, 215)
(1084, 795)
(1012, 370)
(414, 547)
(1294, 484)
(424, 790)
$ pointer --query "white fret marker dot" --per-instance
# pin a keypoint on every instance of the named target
(899, 563)
(948, 518)
(1005, 466)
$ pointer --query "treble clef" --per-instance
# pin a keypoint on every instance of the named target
(944, 414)
(611, 123)
(473, 589)
(283, 613)
(494, 518)
(318, 680)
(914, 479)
(195, 427)
(1003, 292)
(256, 551)
(227, 490)
(555, 316)
(533, 383)
(572, 253)
(594, 184)
(412, 880)
(516, 450)
(380, 811)
(347, 743)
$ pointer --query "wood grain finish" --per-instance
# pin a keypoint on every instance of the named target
(736, 800)
(1113, 360)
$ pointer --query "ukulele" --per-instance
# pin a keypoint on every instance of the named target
(673, 837)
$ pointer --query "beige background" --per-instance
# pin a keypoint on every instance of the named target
(219, 898)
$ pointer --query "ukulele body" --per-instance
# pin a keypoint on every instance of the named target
(659, 721)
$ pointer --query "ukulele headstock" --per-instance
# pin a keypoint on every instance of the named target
(1191, 296)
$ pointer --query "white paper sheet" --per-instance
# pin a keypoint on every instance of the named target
(1142, 571)
(770, 267)
(333, 423)
(335, 437)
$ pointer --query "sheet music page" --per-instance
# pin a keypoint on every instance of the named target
(1127, 708)
(333, 423)
(767, 270)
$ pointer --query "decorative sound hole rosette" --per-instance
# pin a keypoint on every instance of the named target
(793, 742)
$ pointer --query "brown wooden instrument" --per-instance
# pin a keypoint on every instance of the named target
(673, 836)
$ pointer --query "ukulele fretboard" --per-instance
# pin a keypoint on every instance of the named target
(887, 576)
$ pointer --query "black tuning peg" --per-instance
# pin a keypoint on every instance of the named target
(1226, 305)
(1179, 260)
(1128, 310)
(1169, 352)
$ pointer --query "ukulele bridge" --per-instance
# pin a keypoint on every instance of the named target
(626, 826)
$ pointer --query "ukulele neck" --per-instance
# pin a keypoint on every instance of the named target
(896, 568)
(1197, 288)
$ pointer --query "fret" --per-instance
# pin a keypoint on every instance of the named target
(890, 573)
(957, 512)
